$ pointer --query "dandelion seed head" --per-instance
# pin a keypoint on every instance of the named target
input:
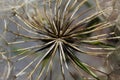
(56, 31)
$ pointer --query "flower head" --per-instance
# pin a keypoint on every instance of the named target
(58, 30)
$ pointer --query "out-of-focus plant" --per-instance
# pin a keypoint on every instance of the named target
(113, 12)
(6, 6)
(113, 16)
(114, 61)
(5, 66)
(52, 33)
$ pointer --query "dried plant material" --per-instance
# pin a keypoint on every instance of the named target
(114, 59)
(111, 13)
(7, 6)
(50, 33)
(5, 67)
(114, 63)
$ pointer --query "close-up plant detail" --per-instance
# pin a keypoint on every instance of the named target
(46, 39)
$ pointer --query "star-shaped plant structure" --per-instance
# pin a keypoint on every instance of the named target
(57, 31)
